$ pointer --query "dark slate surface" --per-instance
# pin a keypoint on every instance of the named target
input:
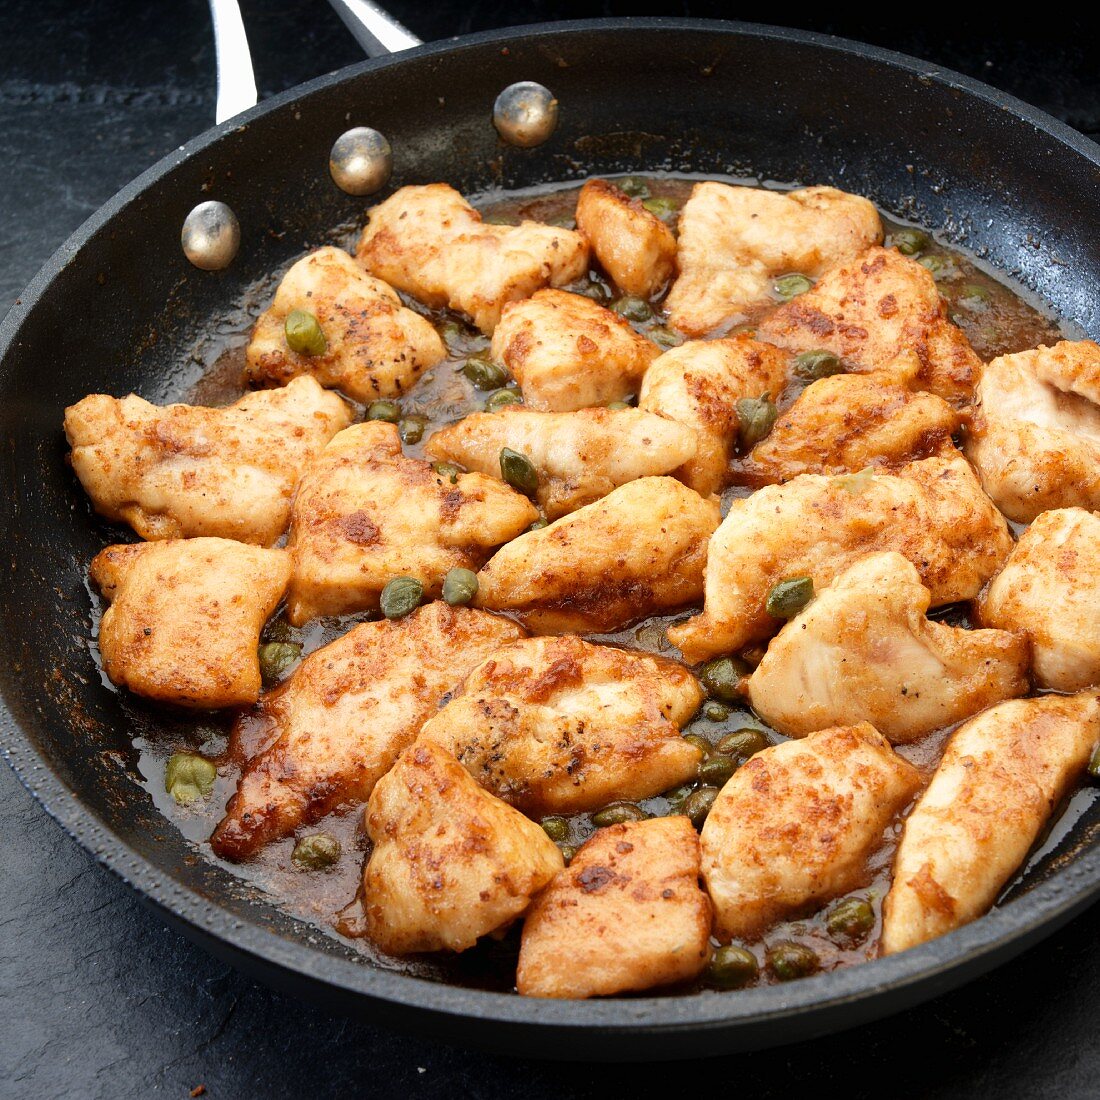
(97, 998)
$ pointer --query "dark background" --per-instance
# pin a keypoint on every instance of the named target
(97, 998)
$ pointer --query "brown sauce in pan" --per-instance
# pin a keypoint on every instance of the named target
(997, 319)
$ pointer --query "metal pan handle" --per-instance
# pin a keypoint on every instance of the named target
(374, 29)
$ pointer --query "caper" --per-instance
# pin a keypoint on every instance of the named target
(665, 337)
(1094, 763)
(448, 470)
(755, 419)
(940, 267)
(276, 658)
(189, 777)
(697, 804)
(701, 743)
(459, 586)
(539, 524)
(485, 374)
(791, 286)
(721, 678)
(304, 333)
(974, 297)
(315, 852)
(713, 711)
(618, 813)
(567, 853)
(742, 743)
(411, 429)
(556, 828)
(850, 919)
(787, 598)
(677, 796)
(910, 242)
(519, 471)
(389, 411)
(731, 967)
(634, 187)
(788, 961)
(717, 770)
(617, 406)
(452, 332)
(632, 308)
(661, 207)
(816, 364)
(501, 398)
(401, 597)
(592, 289)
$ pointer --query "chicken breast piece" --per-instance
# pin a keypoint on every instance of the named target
(180, 471)
(880, 311)
(185, 618)
(735, 240)
(567, 352)
(638, 551)
(561, 726)
(1001, 776)
(863, 651)
(796, 825)
(431, 243)
(633, 246)
(699, 384)
(376, 347)
(849, 422)
(627, 914)
(321, 740)
(451, 863)
(1036, 437)
(1049, 590)
(933, 512)
(365, 514)
(579, 456)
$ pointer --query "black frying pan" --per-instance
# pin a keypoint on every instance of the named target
(118, 308)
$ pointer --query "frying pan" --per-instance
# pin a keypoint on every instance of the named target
(118, 308)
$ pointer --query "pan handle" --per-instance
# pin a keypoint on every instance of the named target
(374, 29)
(236, 81)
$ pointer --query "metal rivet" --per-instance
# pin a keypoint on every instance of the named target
(525, 114)
(361, 161)
(211, 236)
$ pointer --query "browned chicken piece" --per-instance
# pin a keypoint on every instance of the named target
(639, 551)
(796, 825)
(1049, 590)
(451, 863)
(185, 618)
(561, 726)
(1000, 779)
(881, 312)
(633, 246)
(933, 512)
(365, 514)
(849, 422)
(627, 914)
(375, 346)
(179, 471)
(863, 651)
(431, 243)
(699, 384)
(579, 456)
(1036, 438)
(734, 241)
(321, 740)
(568, 352)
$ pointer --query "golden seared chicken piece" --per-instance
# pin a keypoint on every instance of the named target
(579, 456)
(185, 617)
(567, 352)
(1049, 590)
(431, 243)
(699, 384)
(374, 346)
(322, 739)
(734, 241)
(365, 514)
(796, 824)
(451, 863)
(849, 422)
(881, 312)
(181, 470)
(1000, 779)
(863, 651)
(633, 246)
(626, 914)
(639, 551)
(561, 726)
(1036, 438)
(933, 512)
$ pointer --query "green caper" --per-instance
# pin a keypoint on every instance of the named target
(276, 658)
(189, 777)
(940, 267)
(448, 470)
(590, 288)
(974, 297)
(791, 286)
(616, 406)
(618, 813)
(632, 308)
(389, 411)
(850, 919)
(459, 586)
(816, 364)
(742, 743)
(910, 242)
(567, 853)
(665, 337)
(401, 597)
(411, 429)
(519, 471)
(721, 678)
(1094, 763)
(556, 828)
(634, 187)
(677, 796)
(701, 743)
(661, 207)
(452, 332)
(788, 961)
(539, 524)
(303, 333)
(717, 770)
(697, 804)
(315, 852)
(787, 598)
(755, 419)
(731, 967)
(501, 398)
(485, 374)
(713, 711)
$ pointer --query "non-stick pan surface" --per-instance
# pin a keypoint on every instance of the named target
(118, 308)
